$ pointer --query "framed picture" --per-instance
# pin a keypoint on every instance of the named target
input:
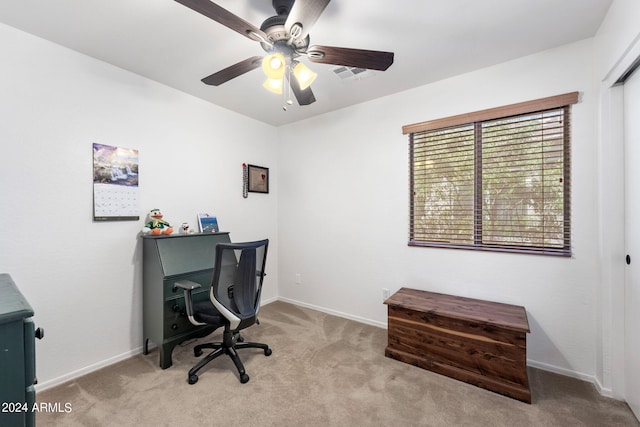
(258, 179)
(207, 223)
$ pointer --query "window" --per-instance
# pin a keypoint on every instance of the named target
(496, 179)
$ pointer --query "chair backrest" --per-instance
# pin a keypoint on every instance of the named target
(237, 281)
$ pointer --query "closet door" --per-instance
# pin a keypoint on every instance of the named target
(632, 237)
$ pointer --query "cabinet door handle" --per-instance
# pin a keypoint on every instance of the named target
(628, 259)
(39, 333)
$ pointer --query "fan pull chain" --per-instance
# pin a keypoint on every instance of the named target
(287, 92)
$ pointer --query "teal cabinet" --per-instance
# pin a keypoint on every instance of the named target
(17, 356)
(167, 259)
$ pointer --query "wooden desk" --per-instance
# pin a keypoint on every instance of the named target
(167, 259)
(479, 342)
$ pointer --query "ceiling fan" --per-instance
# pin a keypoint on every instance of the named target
(285, 37)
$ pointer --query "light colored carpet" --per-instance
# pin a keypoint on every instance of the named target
(324, 371)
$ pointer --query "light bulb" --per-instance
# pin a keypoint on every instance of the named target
(273, 65)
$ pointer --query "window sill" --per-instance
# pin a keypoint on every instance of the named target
(515, 250)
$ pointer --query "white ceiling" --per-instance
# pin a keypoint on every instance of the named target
(432, 40)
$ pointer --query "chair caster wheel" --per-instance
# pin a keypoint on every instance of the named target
(193, 379)
(267, 352)
(243, 378)
(197, 353)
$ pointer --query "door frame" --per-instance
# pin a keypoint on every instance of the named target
(631, 280)
(611, 226)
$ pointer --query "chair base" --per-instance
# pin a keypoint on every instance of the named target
(231, 342)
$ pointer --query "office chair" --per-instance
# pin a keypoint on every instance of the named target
(234, 301)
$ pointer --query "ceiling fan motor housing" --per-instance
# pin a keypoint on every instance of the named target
(282, 7)
(273, 27)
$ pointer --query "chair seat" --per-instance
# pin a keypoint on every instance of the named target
(206, 312)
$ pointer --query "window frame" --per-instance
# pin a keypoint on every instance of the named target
(475, 119)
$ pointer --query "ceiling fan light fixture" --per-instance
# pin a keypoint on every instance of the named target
(273, 65)
(304, 75)
(284, 37)
(273, 85)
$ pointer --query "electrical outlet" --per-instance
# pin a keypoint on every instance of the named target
(298, 279)
(385, 293)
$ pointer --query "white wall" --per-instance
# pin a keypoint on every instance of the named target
(83, 278)
(343, 212)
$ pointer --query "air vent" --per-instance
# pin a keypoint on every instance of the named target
(352, 73)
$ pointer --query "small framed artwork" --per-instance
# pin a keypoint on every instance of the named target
(258, 179)
(207, 223)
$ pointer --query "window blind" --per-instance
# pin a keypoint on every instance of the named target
(495, 184)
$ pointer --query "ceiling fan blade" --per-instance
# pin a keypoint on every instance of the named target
(359, 58)
(304, 97)
(222, 76)
(224, 17)
(304, 13)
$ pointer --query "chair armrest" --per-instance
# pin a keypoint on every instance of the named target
(188, 286)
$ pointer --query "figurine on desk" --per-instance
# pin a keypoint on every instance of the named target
(184, 228)
(156, 225)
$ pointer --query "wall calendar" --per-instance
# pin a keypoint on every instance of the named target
(116, 195)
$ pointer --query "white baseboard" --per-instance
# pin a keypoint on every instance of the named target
(336, 313)
(87, 369)
(573, 374)
(268, 301)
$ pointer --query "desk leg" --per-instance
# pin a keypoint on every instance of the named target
(165, 352)
(165, 355)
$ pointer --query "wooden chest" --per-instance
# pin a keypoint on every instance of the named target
(479, 342)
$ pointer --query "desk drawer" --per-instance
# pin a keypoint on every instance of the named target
(176, 321)
(29, 352)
